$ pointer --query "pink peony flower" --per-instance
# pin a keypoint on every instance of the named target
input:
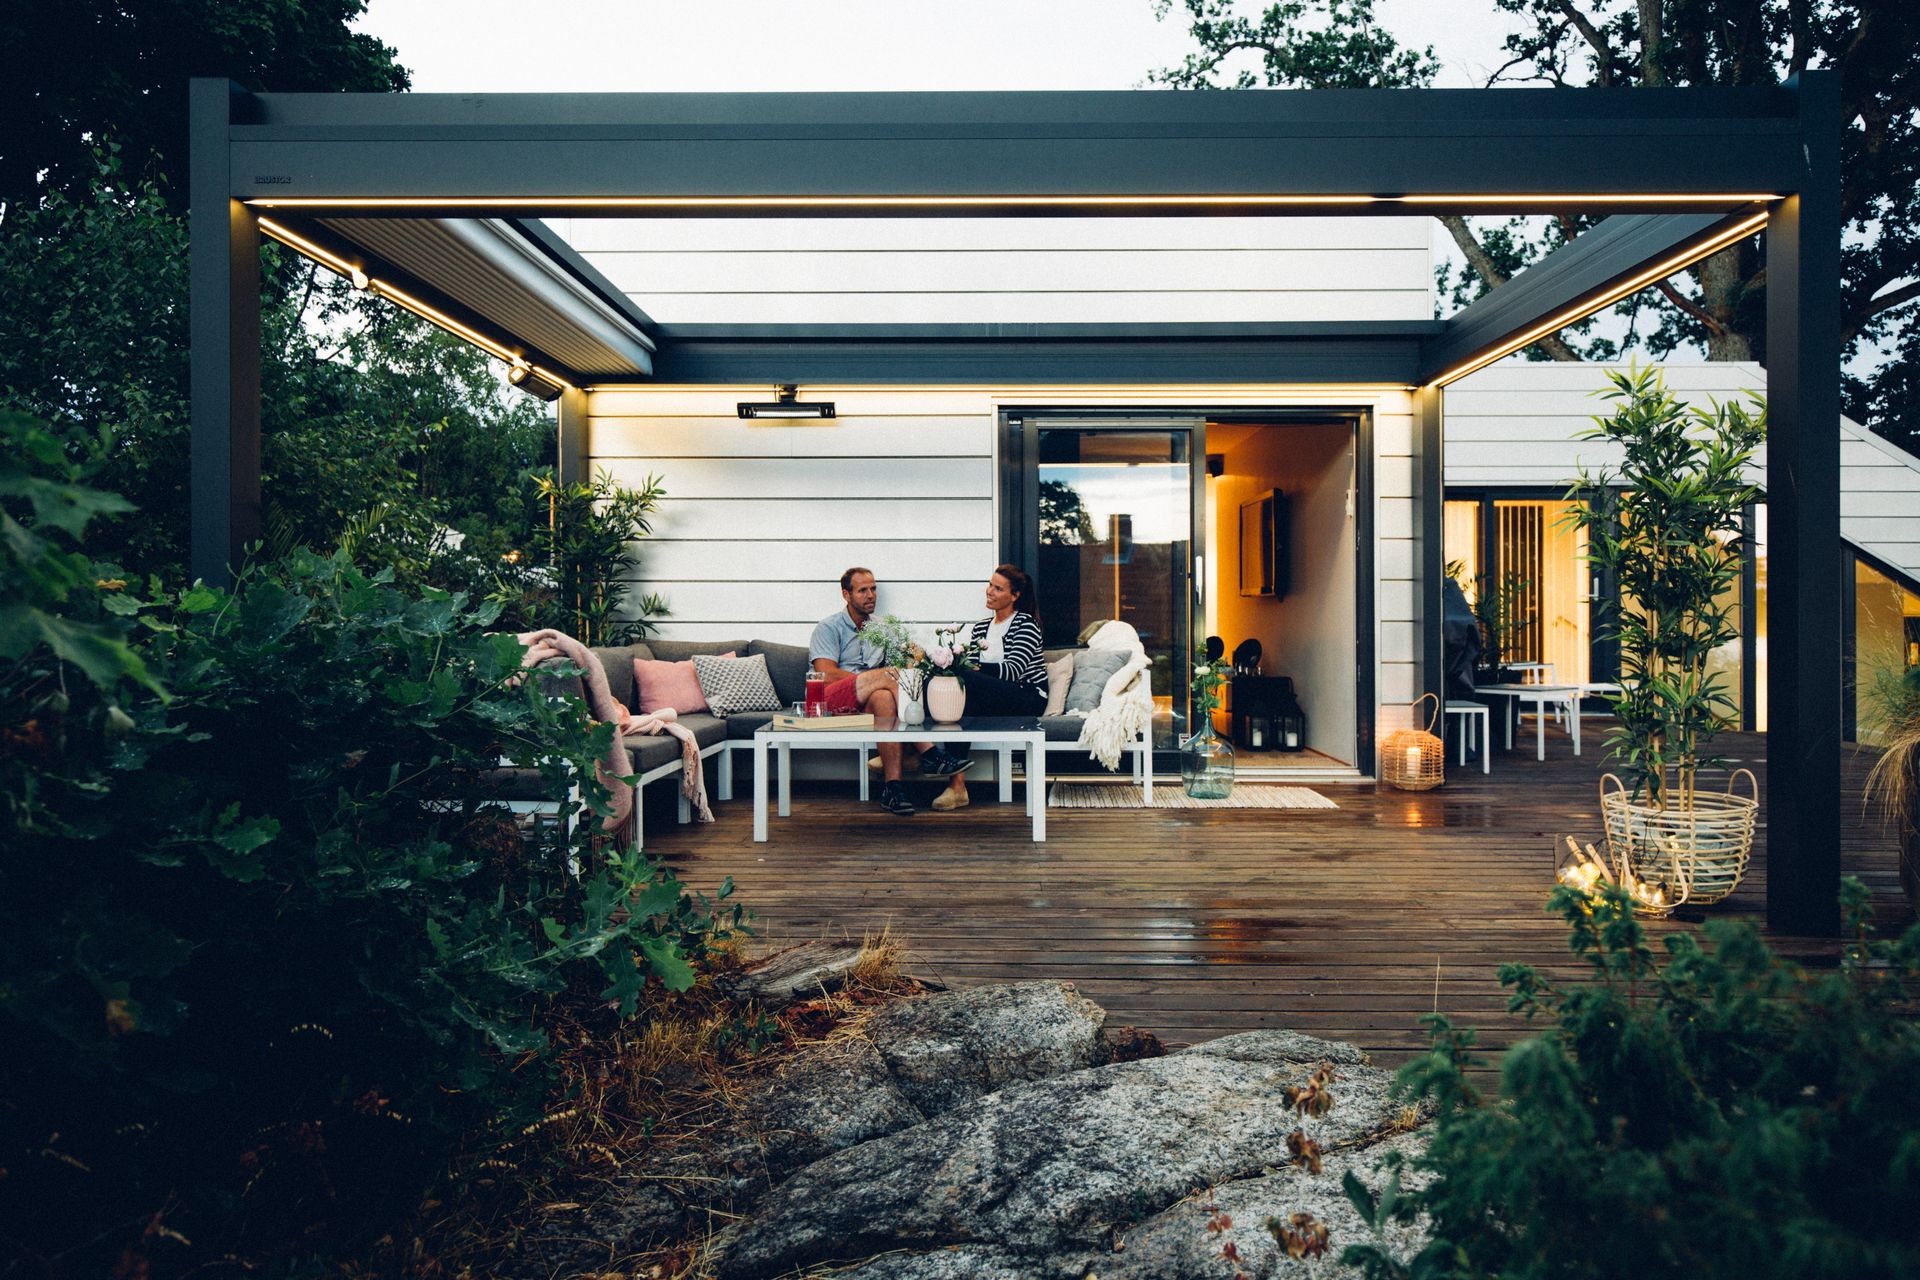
(941, 655)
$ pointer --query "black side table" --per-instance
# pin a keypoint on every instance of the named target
(1257, 700)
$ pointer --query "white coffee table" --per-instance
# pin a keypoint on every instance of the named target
(1007, 732)
(1542, 698)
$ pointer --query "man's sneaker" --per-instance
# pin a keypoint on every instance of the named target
(940, 763)
(893, 798)
(908, 759)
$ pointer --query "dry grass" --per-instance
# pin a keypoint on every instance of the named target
(1893, 788)
(628, 1095)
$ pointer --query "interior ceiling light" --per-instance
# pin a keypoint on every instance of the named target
(1633, 284)
(992, 202)
(786, 404)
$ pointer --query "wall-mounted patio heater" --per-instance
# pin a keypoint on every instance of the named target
(787, 404)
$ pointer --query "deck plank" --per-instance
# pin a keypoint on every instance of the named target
(1350, 923)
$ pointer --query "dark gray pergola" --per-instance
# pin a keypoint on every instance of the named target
(396, 184)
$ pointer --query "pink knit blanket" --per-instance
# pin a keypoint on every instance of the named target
(617, 765)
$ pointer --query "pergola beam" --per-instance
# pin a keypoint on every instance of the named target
(524, 152)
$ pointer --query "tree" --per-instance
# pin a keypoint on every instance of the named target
(85, 71)
(1720, 304)
(363, 407)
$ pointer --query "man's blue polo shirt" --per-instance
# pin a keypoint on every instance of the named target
(837, 638)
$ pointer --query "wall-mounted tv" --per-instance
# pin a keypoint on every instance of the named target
(1264, 546)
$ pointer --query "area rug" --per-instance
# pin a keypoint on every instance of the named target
(1246, 795)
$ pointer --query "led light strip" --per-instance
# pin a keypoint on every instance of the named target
(1579, 311)
(974, 202)
(400, 297)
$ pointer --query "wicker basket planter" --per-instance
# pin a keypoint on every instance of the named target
(1696, 853)
(1413, 759)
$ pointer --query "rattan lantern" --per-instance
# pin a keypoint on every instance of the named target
(1413, 759)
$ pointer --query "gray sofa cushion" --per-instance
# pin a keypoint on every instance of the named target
(787, 664)
(650, 751)
(707, 730)
(618, 660)
(1091, 671)
(1063, 728)
(742, 725)
(682, 650)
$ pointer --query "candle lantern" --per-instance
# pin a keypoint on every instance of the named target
(1289, 722)
(1413, 759)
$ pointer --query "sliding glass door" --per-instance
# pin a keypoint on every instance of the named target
(1105, 516)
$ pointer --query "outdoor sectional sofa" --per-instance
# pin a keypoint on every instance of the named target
(719, 739)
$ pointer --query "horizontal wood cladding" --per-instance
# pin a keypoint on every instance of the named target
(927, 436)
(820, 479)
(982, 270)
(928, 558)
(1516, 424)
(1151, 235)
(1033, 307)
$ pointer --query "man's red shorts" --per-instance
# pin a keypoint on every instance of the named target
(841, 697)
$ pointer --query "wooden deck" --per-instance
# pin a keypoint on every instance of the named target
(1348, 924)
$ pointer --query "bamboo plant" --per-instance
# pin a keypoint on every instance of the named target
(1668, 525)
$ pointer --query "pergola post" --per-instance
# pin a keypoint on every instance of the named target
(570, 427)
(1803, 497)
(224, 369)
(1429, 546)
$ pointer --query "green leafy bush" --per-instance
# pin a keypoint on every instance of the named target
(1721, 1114)
(267, 945)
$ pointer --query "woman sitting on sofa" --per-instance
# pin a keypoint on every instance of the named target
(1011, 681)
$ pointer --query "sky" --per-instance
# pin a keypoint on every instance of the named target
(508, 46)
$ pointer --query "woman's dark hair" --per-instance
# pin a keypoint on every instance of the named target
(1022, 589)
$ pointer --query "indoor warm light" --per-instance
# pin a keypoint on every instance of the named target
(1579, 311)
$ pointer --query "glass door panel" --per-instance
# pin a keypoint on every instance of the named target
(1115, 525)
(1543, 588)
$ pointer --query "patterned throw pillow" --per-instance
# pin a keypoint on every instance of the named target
(733, 685)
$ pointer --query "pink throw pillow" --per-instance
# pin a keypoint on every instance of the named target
(668, 684)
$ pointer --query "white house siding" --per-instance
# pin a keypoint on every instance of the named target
(1012, 270)
(760, 518)
(1516, 424)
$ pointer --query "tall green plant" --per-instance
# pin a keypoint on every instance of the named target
(268, 942)
(587, 552)
(1667, 526)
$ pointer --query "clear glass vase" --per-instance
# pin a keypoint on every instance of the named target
(1206, 765)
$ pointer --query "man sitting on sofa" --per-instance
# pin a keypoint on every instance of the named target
(855, 678)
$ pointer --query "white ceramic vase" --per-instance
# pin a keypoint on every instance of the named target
(913, 702)
(946, 699)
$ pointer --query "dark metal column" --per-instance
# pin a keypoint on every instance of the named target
(224, 374)
(572, 462)
(1802, 809)
(1429, 547)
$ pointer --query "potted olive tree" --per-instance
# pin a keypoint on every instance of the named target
(1668, 525)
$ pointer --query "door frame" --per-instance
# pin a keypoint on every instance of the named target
(1017, 437)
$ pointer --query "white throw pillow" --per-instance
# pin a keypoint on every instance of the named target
(732, 685)
(1059, 676)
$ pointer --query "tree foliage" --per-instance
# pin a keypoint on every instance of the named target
(1718, 305)
(1716, 1113)
(270, 941)
(86, 72)
(365, 409)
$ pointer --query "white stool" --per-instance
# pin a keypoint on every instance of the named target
(1469, 712)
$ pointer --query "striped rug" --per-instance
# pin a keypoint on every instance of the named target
(1245, 795)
